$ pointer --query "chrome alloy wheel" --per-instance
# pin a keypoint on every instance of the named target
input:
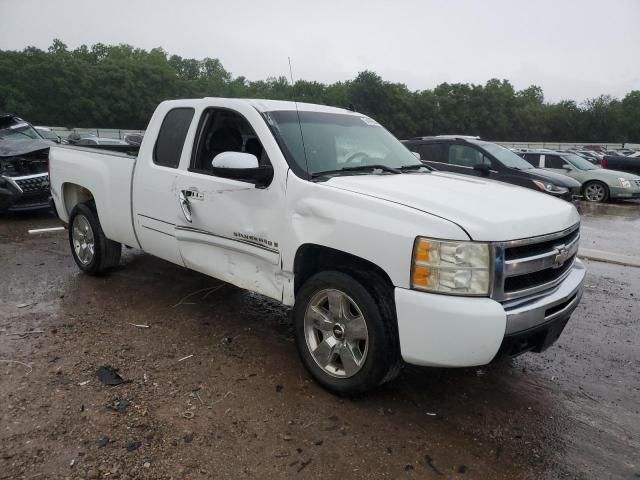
(595, 192)
(83, 241)
(336, 333)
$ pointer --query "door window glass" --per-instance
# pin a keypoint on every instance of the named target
(532, 158)
(220, 131)
(171, 137)
(465, 156)
(432, 152)
(554, 161)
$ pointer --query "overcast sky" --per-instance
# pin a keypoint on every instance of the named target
(571, 48)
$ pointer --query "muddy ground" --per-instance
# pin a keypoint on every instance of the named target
(214, 389)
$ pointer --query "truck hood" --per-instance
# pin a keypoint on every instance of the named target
(487, 210)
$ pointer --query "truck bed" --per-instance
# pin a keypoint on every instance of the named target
(107, 175)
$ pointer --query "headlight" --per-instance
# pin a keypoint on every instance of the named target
(458, 268)
(624, 183)
(550, 187)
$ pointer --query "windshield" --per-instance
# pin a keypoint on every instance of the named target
(507, 157)
(22, 130)
(579, 162)
(332, 141)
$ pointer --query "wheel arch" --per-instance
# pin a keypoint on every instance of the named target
(72, 195)
(311, 258)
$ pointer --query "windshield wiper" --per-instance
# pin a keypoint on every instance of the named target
(359, 168)
(416, 167)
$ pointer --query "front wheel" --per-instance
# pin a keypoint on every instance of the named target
(346, 340)
(596, 192)
(92, 251)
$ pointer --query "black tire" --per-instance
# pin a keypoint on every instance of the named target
(382, 362)
(595, 183)
(106, 253)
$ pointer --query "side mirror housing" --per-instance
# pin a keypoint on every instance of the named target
(417, 155)
(243, 167)
(235, 160)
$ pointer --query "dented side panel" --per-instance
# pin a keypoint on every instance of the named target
(236, 230)
(376, 230)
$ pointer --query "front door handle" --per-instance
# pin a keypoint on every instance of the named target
(185, 205)
(193, 194)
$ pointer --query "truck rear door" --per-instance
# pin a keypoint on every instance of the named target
(154, 184)
(228, 228)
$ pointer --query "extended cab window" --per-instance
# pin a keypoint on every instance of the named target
(431, 152)
(465, 156)
(171, 137)
(220, 131)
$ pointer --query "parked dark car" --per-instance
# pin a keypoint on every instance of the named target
(24, 179)
(622, 164)
(471, 156)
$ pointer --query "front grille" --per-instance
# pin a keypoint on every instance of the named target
(521, 282)
(530, 266)
(33, 184)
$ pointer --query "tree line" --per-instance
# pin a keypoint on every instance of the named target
(119, 86)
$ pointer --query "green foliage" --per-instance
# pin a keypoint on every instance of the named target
(118, 86)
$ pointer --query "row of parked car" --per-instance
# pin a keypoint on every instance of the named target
(592, 173)
(88, 139)
(565, 174)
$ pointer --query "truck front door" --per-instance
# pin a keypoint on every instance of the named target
(228, 228)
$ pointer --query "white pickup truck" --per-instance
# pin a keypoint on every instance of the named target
(383, 259)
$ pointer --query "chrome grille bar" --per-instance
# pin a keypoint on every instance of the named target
(545, 260)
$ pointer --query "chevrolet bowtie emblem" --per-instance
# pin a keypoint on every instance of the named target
(561, 256)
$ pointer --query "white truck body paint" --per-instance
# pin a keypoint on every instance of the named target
(249, 236)
(443, 326)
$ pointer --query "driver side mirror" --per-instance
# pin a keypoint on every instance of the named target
(566, 167)
(243, 167)
(417, 155)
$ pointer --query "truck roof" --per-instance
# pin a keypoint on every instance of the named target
(263, 105)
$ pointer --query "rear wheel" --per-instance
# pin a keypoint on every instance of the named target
(92, 251)
(346, 340)
(596, 192)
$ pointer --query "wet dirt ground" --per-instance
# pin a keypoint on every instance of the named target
(214, 389)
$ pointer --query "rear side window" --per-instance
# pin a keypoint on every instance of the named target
(171, 137)
(432, 152)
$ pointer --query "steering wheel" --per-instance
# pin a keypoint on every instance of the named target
(352, 158)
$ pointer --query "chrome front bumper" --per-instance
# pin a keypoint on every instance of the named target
(560, 303)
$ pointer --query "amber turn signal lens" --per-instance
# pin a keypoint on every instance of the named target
(422, 251)
(421, 276)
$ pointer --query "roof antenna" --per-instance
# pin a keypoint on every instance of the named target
(304, 149)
